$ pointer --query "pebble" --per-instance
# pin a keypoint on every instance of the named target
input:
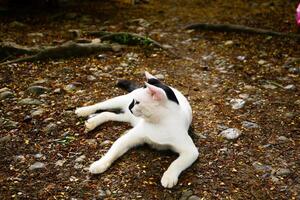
(102, 56)
(186, 194)
(262, 62)
(237, 103)
(91, 142)
(294, 70)
(290, 87)
(194, 197)
(70, 87)
(50, 128)
(38, 155)
(6, 138)
(37, 34)
(37, 90)
(283, 138)
(269, 86)
(80, 158)
(30, 101)
(241, 58)
(160, 76)
(283, 172)
(106, 142)
(231, 133)
(228, 43)
(60, 163)
(91, 78)
(250, 125)
(116, 47)
(37, 165)
(57, 91)
(37, 112)
(6, 94)
(261, 167)
(101, 193)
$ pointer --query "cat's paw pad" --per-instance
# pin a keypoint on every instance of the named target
(169, 179)
(99, 166)
(83, 111)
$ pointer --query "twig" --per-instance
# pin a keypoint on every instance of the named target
(239, 29)
(129, 39)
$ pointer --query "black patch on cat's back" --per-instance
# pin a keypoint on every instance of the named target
(131, 106)
(169, 92)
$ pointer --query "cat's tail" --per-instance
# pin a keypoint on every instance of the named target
(127, 85)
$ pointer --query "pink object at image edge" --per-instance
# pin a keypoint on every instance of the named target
(298, 15)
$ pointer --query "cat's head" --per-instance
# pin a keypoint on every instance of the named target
(154, 101)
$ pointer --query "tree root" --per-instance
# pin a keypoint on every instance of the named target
(239, 29)
(66, 50)
(130, 39)
(11, 48)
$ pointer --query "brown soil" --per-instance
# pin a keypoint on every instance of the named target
(210, 72)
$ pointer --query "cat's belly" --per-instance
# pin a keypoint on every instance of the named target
(158, 146)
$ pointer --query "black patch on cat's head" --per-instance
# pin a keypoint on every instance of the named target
(169, 92)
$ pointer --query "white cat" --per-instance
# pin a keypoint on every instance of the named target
(160, 116)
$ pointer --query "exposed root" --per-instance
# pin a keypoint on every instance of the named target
(66, 50)
(239, 29)
(130, 39)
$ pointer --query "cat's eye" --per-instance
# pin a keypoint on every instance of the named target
(136, 102)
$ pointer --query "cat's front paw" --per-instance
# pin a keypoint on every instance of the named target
(169, 179)
(90, 125)
(99, 166)
(83, 111)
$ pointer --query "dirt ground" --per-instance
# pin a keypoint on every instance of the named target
(44, 152)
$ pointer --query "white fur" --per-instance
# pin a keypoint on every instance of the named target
(157, 121)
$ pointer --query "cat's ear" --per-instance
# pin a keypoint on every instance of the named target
(156, 93)
(149, 76)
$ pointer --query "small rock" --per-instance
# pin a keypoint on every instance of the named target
(290, 115)
(4, 89)
(78, 166)
(228, 43)
(37, 165)
(244, 96)
(241, 58)
(16, 24)
(80, 158)
(60, 163)
(106, 142)
(7, 123)
(160, 76)
(57, 91)
(20, 158)
(92, 142)
(269, 86)
(6, 138)
(250, 125)
(294, 70)
(35, 34)
(37, 90)
(194, 197)
(274, 179)
(283, 172)
(102, 56)
(70, 87)
(38, 155)
(37, 112)
(290, 87)
(101, 194)
(186, 194)
(261, 167)
(283, 138)
(6, 94)
(30, 101)
(50, 128)
(74, 33)
(262, 62)
(116, 47)
(91, 78)
(237, 103)
(231, 133)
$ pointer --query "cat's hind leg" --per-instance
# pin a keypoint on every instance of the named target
(130, 139)
(110, 104)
